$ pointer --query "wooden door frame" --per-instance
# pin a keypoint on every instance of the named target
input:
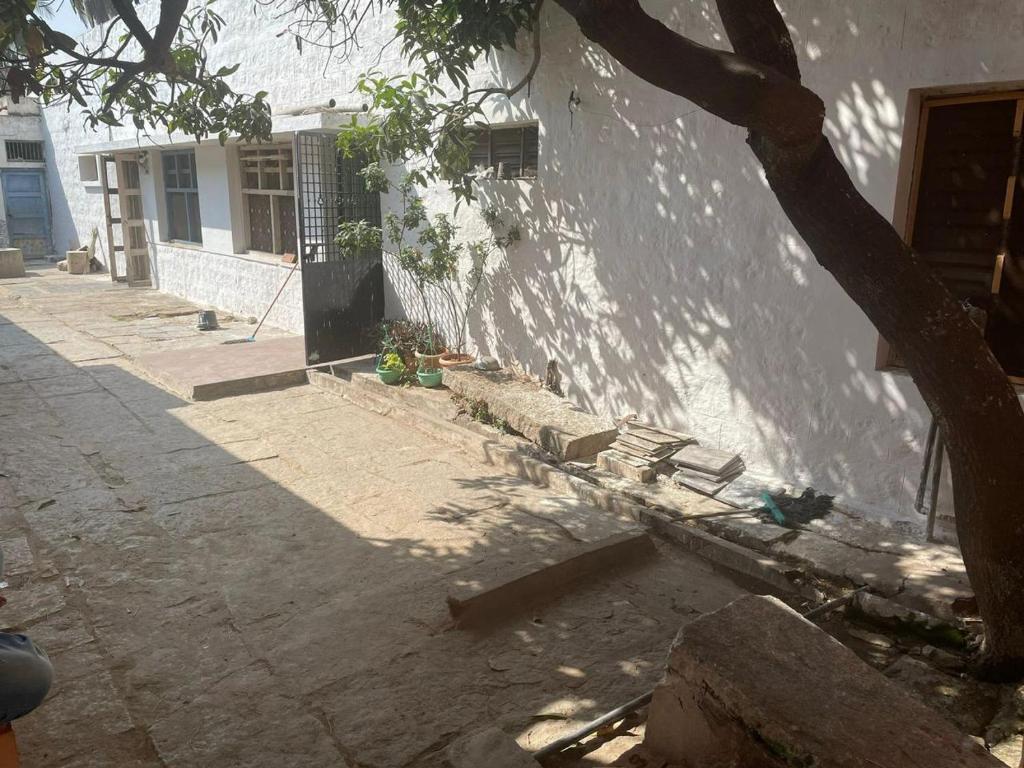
(919, 103)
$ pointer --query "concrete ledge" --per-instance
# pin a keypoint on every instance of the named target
(475, 606)
(754, 684)
(732, 557)
(553, 423)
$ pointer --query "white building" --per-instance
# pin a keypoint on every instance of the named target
(656, 267)
(24, 201)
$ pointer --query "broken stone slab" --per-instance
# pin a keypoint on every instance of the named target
(550, 421)
(625, 466)
(756, 685)
(490, 747)
(475, 605)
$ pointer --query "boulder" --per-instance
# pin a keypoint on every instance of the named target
(756, 685)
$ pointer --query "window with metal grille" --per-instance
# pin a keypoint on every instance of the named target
(182, 191)
(966, 212)
(268, 190)
(24, 151)
(510, 153)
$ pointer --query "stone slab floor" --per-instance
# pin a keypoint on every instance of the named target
(260, 580)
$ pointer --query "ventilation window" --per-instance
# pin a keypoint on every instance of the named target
(508, 153)
(24, 151)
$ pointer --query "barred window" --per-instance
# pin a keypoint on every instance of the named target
(24, 151)
(268, 189)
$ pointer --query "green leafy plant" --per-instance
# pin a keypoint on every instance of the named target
(429, 250)
(403, 338)
(480, 411)
(392, 362)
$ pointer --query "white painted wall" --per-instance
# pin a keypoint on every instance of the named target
(19, 121)
(657, 267)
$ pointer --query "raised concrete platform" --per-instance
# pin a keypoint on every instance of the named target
(227, 370)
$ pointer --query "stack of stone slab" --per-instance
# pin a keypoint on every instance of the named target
(705, 470)
(639, 448)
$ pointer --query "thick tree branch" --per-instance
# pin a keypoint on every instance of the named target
(525, 80)
(757, 30)
(738, 89)
(126, 11)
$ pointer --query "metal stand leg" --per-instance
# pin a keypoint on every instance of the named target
(922, 483)
(933, 502)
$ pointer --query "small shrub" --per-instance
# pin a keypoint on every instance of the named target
(479, 411)
(392, 362)
(403, 337)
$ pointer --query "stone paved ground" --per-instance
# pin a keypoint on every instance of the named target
(260, 581)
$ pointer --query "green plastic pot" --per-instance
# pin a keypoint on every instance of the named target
(389, 375)
(430, 379)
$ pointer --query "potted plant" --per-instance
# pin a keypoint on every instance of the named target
(428, 357)
(390, 367)
(429, 250)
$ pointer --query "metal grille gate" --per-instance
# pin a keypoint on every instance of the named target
(342, 295)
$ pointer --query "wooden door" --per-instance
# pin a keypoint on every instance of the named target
(133, 224)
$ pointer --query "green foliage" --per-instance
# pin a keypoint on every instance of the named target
(135, 75)
(434, 114)
(480, 411)
(391, 362)
(429, 251)
(403, 338)
(444, 38)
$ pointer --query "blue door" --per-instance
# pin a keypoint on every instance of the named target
(28, 211)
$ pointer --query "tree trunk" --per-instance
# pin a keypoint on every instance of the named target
(965, 388)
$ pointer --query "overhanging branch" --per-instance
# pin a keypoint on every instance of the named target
(740, 90)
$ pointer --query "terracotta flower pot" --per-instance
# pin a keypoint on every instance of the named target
(428, 362)
(451, 359)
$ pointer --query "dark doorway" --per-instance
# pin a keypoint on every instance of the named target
(342, 294)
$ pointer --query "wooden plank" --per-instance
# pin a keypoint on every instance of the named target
(915, 184)
(111, 250)
(972, 98)
(476, 606)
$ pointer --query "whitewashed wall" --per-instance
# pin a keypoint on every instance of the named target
(656, 266)
(19, 121)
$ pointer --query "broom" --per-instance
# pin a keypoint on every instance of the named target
(280, 290)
